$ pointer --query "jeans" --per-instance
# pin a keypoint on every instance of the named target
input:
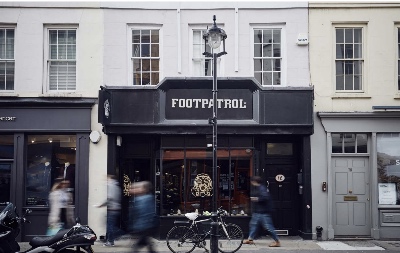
(265, 221)
(112, 230)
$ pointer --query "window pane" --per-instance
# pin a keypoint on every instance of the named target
(135, 36)
(277, 50)
(154, 50)
(277, 78)
(284, 149)
(357, 35)
(62, 37)
(6, 147)
(146, 78)
(348, 35)
(348, 80)
(339, 35)
(136, 50)
(267, 50)
(357, 82)
(257, 36)
(362, 143)
(258, 65)
(155, 38)
(50, 158)
(145, 37)
(339, 51)
(267, 76)
(357, 51)
(53, 37)
(145, 50)
(388, 165)
(267, 65)
(257, 50)
(349, 143)
(155, 79)
(348, 51)
(71, 37)
(337, 140)
(277, 36)
(267, 36)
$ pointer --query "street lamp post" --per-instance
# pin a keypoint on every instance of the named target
(213, 38)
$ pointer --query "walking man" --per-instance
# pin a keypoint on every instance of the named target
(261, 213)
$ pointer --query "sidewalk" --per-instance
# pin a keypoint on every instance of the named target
(289, 243)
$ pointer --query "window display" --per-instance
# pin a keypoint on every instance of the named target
(187, 181)
(49, 158)
(388, 148)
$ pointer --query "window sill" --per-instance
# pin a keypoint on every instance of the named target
(5, 94)
(61, 94)
(396, 96)
(350, 95)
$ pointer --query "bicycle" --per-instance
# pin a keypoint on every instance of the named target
(185, 238)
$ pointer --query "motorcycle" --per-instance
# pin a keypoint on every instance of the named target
(79, 237)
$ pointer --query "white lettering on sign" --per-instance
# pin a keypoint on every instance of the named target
(279, 178)
(8, 118)
(208, 103)
(397, 162)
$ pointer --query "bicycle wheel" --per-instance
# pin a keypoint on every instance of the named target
(230, 238)
(180, 239)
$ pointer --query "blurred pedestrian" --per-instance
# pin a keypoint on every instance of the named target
(113, 204)
(142, 215)
(261, 213)
(59, 200)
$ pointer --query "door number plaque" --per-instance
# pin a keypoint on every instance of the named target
(279, 178)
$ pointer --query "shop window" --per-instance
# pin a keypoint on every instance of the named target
(349, 143)
(6, 162)
(388, 158)
(187, 179)
(50, 158)
(284, 149)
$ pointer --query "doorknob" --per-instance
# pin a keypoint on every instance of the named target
(350, 191)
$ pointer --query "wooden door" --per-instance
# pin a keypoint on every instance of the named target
(351, 205)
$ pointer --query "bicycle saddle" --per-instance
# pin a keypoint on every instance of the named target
(191, 216)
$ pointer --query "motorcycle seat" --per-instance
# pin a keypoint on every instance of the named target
(48, 240)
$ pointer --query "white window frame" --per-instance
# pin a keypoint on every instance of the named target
(10, 60)
(132, 27)
(282, 27)
(363, 28)
(47, 57)
(220, 61)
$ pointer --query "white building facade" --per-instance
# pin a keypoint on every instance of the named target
(354, 59)
(71, 69)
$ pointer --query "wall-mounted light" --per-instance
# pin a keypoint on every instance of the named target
(50, 140)
(33, 140)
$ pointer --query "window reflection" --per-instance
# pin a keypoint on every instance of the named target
(49, 157)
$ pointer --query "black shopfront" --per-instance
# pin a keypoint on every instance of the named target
(42, 140)
(161, 134)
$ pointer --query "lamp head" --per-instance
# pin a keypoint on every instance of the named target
(214, 36)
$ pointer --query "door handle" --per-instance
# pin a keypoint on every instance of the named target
(350, 191)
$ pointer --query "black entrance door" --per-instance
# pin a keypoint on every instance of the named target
(281, 173)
